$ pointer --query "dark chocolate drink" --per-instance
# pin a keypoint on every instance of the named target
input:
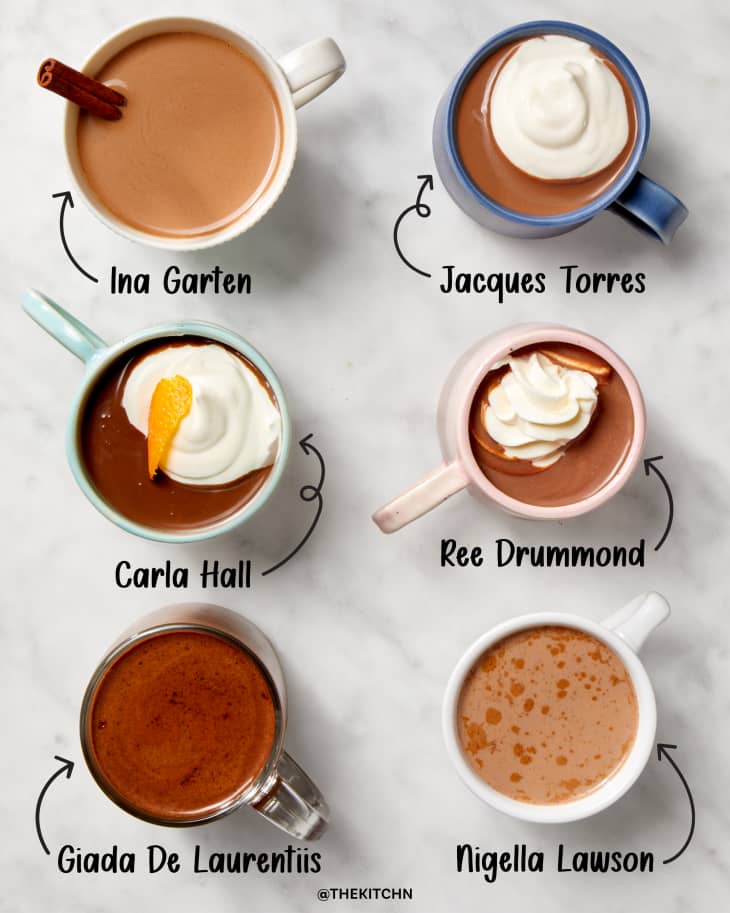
(180, 724)
(209, 471)
(551, 424)
(545, 102)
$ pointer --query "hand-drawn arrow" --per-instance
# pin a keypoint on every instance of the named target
(67, 768)
(650, 464)
(421, 209)
(68, 201)
(662, 751)
(306, 493)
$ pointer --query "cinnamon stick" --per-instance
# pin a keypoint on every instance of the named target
(82, 90)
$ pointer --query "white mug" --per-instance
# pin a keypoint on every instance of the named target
(624, 633)
(296, 78)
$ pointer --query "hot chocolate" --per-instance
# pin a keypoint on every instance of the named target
(547, 715)
(180, 724)
(551, 424)
(180, 433)
(198, 142)
(545, 125)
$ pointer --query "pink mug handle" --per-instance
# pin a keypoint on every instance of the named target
(416, 501)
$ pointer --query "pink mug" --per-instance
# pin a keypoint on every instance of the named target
(460, 469)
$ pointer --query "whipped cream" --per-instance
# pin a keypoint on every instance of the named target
(232, 428)
(538, 408)
(556, 110)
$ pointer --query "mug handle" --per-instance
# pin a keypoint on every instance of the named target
(312, 68)
(651, 208)
(294, 803)
(64, 327)
(431, 491)
(636, 620)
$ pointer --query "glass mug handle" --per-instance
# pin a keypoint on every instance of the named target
(293, 802)
(312, 68)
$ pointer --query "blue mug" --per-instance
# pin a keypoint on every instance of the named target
(639, 200)
(97, 356)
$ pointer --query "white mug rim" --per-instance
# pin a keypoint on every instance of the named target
(616, 785)
(126, 36)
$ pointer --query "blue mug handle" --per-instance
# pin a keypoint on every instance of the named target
(64, 327)
(651, 208)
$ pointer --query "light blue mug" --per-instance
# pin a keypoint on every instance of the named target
(97, 356)
(639, 200)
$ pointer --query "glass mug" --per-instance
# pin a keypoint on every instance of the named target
(281, 791)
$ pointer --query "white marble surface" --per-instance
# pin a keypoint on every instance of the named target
(368, 626)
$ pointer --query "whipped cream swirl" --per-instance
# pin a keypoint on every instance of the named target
(539, 407)
(556, 110)
(232, 428)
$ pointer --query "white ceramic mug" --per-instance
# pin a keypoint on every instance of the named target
(296, 78)
(624, 633)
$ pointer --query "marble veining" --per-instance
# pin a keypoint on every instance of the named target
(369, 627)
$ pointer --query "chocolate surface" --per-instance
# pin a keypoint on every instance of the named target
(547, 715)
(502, 181)
(181, 722)
(115, 457)
(588, 464)
(198, 141)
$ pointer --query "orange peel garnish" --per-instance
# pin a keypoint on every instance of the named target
(170, 403)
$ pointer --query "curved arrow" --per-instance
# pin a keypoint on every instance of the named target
(67, 768)
(662, 750)
(68, 201)
(306, 493)
(649, 464)
(421, 209)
